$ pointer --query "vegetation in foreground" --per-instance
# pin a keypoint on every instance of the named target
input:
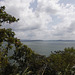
(23, 61)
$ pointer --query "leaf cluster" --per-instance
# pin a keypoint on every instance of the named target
(5, 17)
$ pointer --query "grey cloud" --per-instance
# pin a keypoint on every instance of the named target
(65, 32)
(58, 34)
(50, 10)
(71, 28)
(13, 11)
(27, 28)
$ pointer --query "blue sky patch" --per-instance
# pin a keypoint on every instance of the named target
(67, 1)
(33, 5)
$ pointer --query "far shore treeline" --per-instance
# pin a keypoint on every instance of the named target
(24, 61)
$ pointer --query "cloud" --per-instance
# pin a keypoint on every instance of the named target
(48, 6)
(42, 19)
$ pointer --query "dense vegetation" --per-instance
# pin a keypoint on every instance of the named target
(23, 61)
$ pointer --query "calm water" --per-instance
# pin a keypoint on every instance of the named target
(45, 47)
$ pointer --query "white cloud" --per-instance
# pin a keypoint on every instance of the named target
(39, 24)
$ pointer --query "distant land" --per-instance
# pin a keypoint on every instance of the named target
(49, 40)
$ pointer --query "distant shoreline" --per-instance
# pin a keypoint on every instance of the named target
(50, 40)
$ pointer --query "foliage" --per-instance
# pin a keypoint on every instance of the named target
(21, 53)
(5, 17)
(7, 37)
(26, 72)
(61, 61)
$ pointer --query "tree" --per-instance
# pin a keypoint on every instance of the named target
(21, 53)
(21, 57)
(6, 38)
(61, 62)
(5, 17)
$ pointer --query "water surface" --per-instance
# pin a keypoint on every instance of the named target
(45, 47)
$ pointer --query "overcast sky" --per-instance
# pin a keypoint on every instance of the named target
(42, 19)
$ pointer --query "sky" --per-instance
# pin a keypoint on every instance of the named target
(42, 19)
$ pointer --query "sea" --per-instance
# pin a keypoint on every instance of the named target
(45, 47)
